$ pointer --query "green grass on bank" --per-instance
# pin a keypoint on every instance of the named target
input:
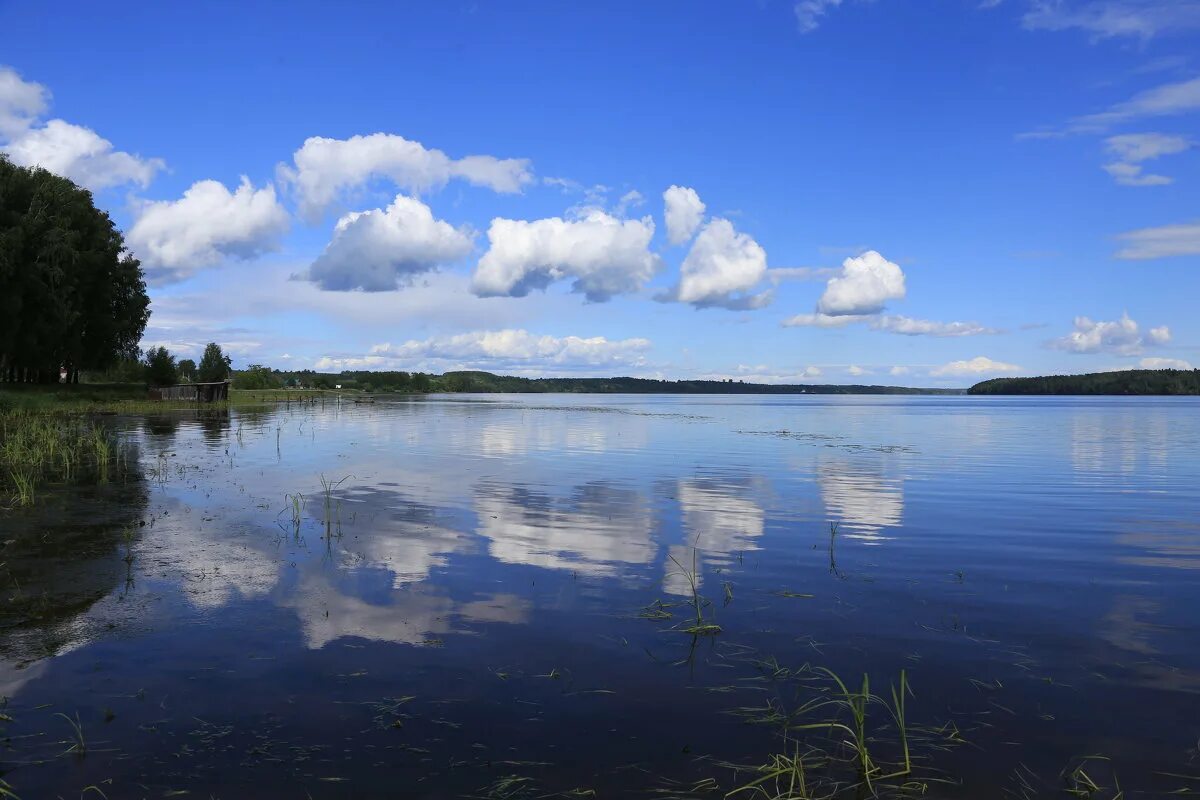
(127, 398)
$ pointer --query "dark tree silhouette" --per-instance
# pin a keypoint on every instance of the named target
(70, 296)
(160, 367)
(214, 365)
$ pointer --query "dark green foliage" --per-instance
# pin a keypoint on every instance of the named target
(487, 382)
(187, 369)
(256, 376)
(475, 381)
(1134, 381)
(214, 365)
(160, 368)
(71, 296)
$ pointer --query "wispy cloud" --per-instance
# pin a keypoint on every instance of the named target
(1113, 19)
(1161, 242)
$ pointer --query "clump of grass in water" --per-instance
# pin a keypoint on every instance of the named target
(328, 488)
(39, 448)
(701, 627)
(296, 502)
(77, 742)
(796, 775)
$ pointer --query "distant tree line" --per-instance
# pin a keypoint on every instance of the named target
(1134, 381)
(259, 377)
(71, 297)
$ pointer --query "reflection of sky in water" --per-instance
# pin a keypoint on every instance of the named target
(531, 529)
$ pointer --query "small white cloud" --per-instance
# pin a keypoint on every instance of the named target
(605, 256)
(1137, 147)
(823, 320)
(898, 371)
(1164, 363)
(175, 238)
(863, 286)
(809, 13)
(500, 349)
(628, 201)
(1132, 175)
(980, 365)
(683, 212)
(379, 250)
(322, 168)
(1133, 148)
(1161, 242)
(857, 371)
(721, 270)
(1121, 336)
(908, 326)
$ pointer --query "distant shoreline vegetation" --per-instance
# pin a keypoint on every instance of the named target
(1131, 382)
(486, 382)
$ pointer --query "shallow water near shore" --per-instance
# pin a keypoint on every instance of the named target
(488, 596)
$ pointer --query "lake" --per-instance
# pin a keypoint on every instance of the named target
(611, 595)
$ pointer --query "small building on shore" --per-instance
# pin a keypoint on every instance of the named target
(193, 392)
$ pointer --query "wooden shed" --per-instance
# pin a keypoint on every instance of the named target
(194, 392)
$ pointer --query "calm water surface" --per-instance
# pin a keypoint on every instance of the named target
(480, 605)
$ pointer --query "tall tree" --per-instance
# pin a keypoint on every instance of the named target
(72, 297)
(187, 369)
(160, 367)
(214, 365)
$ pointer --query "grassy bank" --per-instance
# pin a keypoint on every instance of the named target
(53, 435)
(125, 398)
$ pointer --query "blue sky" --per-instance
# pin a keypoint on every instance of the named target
(926, 192)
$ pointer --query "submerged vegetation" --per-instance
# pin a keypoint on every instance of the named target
(39, 449)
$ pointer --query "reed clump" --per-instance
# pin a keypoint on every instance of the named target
(37, 449)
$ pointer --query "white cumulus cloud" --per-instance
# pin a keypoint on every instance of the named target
(322, 168)
(980, 365)
(683, 213)
(863, 286)
(721, 269)
(61, 147)
(381, 249)
(604, 255)
(501, 348)
(209, 224)
(1123, 337)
